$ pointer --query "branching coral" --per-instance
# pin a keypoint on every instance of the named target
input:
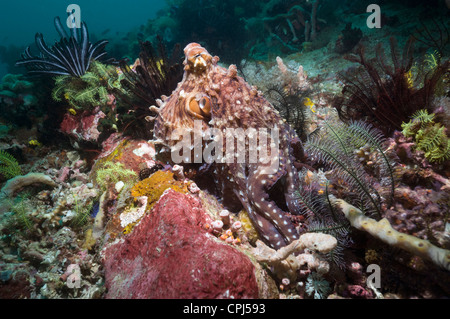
(287, 22)
(72, 55)
(381, 94)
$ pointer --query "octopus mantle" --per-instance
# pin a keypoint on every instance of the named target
(212, 97)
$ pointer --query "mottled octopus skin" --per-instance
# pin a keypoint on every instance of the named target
(235, 104)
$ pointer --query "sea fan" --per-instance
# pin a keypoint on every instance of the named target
(71, 55)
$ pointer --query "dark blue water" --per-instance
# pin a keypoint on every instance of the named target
(20, 20)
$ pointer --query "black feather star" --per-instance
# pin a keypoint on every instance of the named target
(71, 55)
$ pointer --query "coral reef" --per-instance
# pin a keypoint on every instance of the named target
(113, 173)
(18, 182)
(155, 185)
(286, 262)
(132, 187)
(289, 24)
(90, 89)
(18, 99)
(337, 147)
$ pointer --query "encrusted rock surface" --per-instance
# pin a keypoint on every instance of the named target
(170, 254)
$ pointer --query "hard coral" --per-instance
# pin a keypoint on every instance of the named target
(133, 154)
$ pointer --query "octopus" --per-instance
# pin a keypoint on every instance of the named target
(209, 97)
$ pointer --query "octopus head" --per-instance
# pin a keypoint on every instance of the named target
(197, 58)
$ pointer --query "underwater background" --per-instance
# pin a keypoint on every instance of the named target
(101, 198)
(21, 20)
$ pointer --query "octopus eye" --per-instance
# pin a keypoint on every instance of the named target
(201, 107)
(205, 105)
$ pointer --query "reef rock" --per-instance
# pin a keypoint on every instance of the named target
(170, 254)
(82, 127)
(134, 154)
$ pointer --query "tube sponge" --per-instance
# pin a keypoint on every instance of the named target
(383, 230)
(16, 183)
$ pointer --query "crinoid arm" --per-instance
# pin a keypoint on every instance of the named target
(71, 55)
